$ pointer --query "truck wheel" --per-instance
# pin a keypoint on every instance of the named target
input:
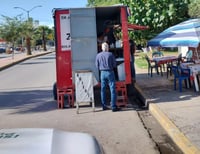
(55, 91)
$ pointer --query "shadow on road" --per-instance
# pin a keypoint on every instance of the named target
(29, 101)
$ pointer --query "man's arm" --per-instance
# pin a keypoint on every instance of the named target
(96, 62)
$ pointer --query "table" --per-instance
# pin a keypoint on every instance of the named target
(164, 59)
(195, 70)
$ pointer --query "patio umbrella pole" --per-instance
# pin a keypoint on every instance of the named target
(197, 53)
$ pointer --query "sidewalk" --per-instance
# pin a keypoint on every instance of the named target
(17, 58)
(178, 113)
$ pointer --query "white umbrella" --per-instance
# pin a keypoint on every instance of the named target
(186, 33)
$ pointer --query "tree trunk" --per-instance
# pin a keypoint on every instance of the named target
(45, 47)
(44, 40)
(28, 45)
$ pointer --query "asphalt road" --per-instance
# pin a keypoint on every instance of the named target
(26, 100)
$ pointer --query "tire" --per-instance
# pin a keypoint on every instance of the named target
(55, 91)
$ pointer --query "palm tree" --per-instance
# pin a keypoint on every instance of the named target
(27, 30)
(43, 33)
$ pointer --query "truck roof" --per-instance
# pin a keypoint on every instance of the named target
(107, 12)
(101, 9)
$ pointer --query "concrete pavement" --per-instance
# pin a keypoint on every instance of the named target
(177, 112)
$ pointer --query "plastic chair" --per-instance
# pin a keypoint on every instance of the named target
(180, 75)
(158, 54)
(169, 67)
(61, 96)
(179, 59)
(122, 97)
(169, 70)
(153, 65)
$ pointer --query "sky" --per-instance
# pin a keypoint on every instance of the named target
(43, 13)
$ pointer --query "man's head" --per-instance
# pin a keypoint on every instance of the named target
(104, 46)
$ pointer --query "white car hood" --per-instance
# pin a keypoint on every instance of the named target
(46, 141)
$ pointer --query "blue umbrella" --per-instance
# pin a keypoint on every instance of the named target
(186, 33)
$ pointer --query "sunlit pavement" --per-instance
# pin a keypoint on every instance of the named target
(177, 112)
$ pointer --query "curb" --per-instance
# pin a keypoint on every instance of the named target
(185, 145)
(176, 135)
(23, 59)
(141, 95)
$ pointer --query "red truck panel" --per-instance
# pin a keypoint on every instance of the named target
(63, 49)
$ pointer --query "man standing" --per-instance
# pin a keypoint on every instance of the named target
(105, 62)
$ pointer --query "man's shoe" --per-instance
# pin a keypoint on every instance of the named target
(116, 109)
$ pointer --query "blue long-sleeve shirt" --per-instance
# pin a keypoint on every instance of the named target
(105, 61)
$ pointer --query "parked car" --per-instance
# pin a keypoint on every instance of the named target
(2, 50)
(47, 141)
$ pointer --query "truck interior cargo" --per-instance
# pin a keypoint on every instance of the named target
(108, 23)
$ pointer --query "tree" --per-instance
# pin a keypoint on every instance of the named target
(27, 31)
(43, 33)
(102, 2)
(158, 15)
(194, 8)
(12, 29)
(9, 29)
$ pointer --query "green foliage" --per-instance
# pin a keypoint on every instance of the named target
(13, 30)
(43, 33)
(141, 62)
(102, 3)
(194, 9)
(157, 14)
(26, 29)
(9, 30)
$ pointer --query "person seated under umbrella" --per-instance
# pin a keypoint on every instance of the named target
(157, 53)
(189, 55)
